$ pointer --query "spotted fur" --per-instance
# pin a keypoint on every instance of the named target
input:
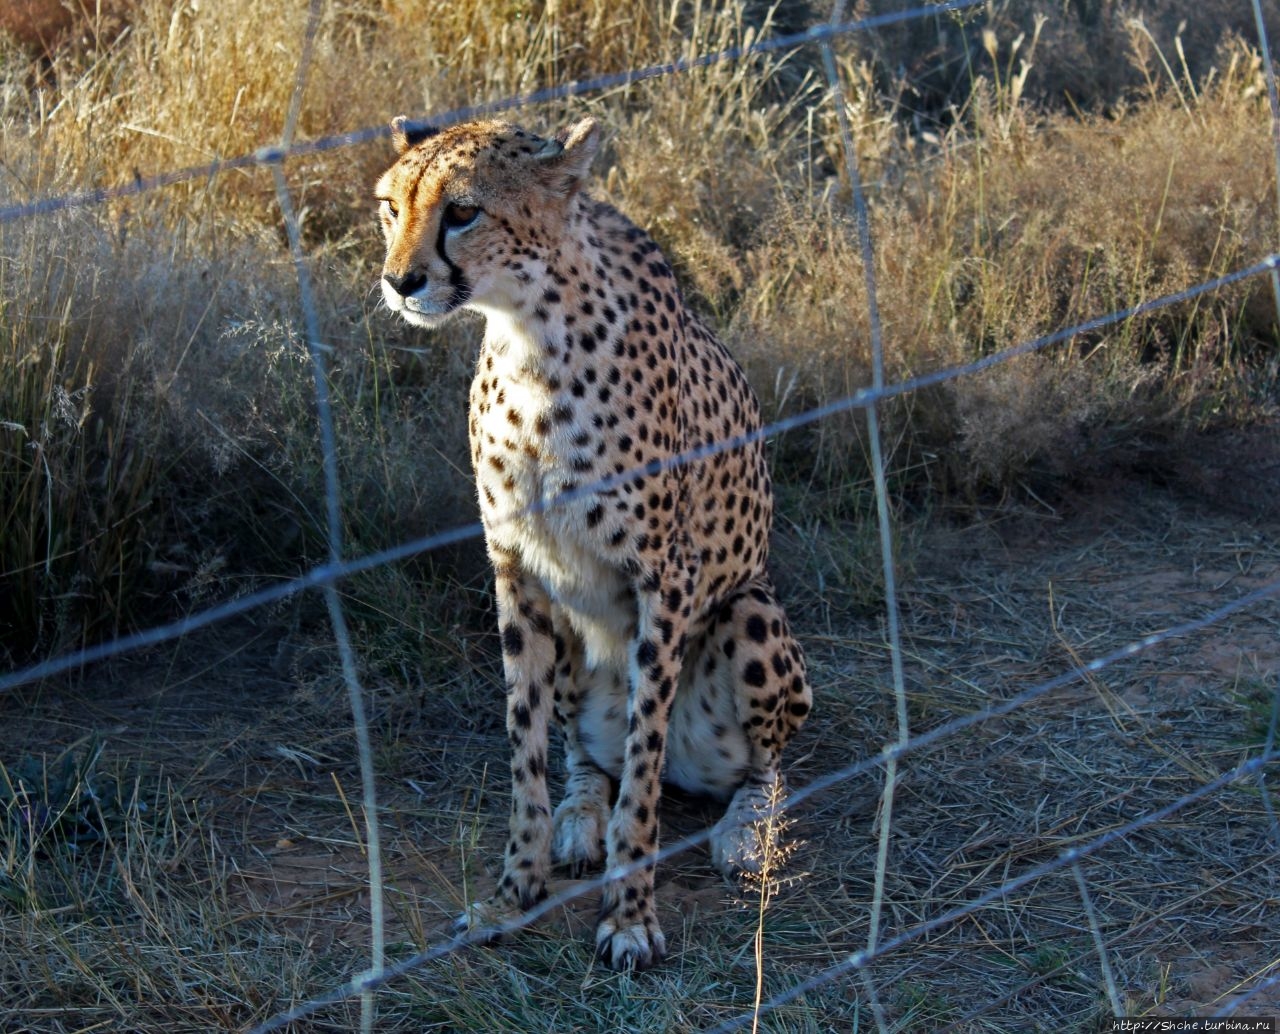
(640, 615)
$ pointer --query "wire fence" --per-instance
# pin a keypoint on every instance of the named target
(325, 577)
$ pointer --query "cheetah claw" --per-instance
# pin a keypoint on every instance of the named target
(634, 947)
(735, 848)
(484, 919)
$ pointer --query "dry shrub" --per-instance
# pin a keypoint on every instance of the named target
(171, 319)
(1085, 58)
(45, 26)
(700, 159)
(1094, 215)
(112, 483)
(1017, 226)
(158, 446)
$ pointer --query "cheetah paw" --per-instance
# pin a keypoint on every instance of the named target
(636, 946)
(485, 919)
(735, 847)
(736, 840)
(578, 840)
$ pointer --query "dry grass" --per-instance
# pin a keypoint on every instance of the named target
(158, 451)
(1008, 229)
(244, 875)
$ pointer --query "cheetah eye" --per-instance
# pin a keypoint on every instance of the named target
(459, 217)
(389, 207)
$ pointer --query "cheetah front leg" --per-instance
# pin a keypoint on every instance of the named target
(628, 934)
(528, 657)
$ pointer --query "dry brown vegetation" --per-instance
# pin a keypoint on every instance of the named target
(155, 342)
(1029, 166)
(45, 27)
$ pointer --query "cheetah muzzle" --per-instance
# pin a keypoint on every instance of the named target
(640, 614)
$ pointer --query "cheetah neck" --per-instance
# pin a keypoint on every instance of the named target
(509, 338)
(532, 327)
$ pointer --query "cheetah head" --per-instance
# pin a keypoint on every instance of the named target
(470, 212)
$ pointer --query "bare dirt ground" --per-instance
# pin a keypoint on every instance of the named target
(243, 734)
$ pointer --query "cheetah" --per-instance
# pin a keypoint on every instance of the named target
(633, 602)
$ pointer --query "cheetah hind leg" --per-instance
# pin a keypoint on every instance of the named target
(582, 816)
(771, 698)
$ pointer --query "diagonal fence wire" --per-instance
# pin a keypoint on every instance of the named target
(325, 576)
(860, 960)
(856, 961)
(1257, 991)
(276, 153)
(966, 1021)
(327, 573)
(893, 752)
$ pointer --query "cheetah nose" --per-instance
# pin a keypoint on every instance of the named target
(408, 283)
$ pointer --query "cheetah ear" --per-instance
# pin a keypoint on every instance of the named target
(405, 134)
(568, 157)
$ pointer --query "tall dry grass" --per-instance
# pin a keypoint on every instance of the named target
(1014, 224)
(158, 445)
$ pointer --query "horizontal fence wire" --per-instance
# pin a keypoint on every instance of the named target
(327, 575)
(1071, 856)
(275, 153)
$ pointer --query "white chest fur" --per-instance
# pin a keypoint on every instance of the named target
(534, 495)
